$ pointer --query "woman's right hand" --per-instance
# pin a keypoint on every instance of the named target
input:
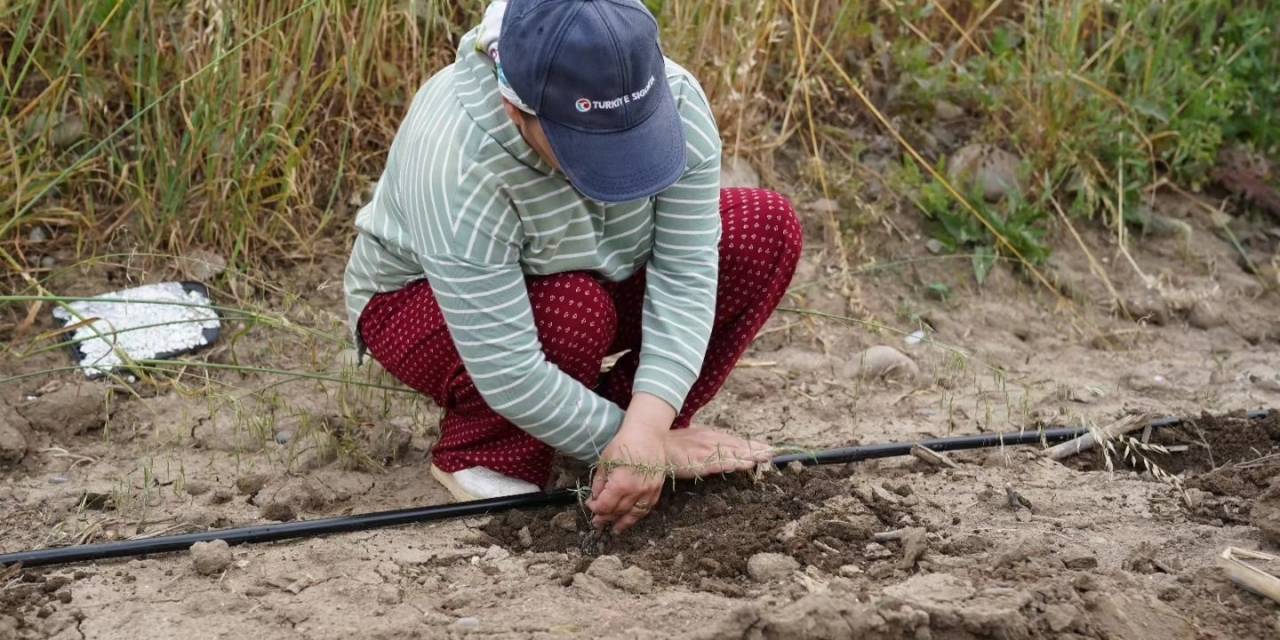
(632, 469)
(697, 452)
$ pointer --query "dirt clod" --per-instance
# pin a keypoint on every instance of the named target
(767, 567)
(69, 410)
(565, 521)
(1204, 314)
(278, 511)
(252, 483)
(1079, 558)
(610, 570)
(914, 545)
(809, 517)
(13, 444)
(211, 557)
(220, 496)
(197, 487)
(1266, 513)
(1120, 615)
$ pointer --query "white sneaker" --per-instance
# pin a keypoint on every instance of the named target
(478, 483)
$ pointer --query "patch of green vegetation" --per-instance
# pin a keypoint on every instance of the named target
(1014, 228)
(1105, 99)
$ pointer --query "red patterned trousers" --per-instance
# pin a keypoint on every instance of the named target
(580, 320)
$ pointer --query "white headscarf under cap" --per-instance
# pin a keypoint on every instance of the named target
(488, 43)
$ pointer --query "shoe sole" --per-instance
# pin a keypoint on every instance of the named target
(446, 479)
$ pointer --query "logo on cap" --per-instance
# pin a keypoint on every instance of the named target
(583, 104)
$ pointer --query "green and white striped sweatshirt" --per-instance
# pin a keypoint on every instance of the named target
(465, 202)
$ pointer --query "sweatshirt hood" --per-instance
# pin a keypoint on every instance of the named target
(475, 84)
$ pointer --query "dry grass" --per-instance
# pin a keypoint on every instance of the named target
(255, 128)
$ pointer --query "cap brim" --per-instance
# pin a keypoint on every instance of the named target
(619, 166)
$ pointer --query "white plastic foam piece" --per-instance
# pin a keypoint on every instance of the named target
(151, 322)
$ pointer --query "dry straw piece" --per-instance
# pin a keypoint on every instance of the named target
(1232, 559)
(1085, 442)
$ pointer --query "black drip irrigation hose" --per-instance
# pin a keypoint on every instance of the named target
(342, 524)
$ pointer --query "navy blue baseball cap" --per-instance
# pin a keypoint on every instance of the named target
(593, 72)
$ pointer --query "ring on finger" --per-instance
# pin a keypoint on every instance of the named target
(641, 506)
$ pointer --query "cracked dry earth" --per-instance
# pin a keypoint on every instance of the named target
(888, 549)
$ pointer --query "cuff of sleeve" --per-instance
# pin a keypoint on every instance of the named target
(664, 378)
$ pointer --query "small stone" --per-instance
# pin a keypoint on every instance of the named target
(525, 536)
(1158, 225)
(468, 624)
(37, 234)
(766, 567)
(795, 466)
(283, 437)
(882, 362)
(197, 487)
(202, 265)
(711, 565)
(849, 571)
(69, 131)
(210, 557)
(994, 171)
(947, 110)
(934, 246)
(1079, 558)
(1206, 315)
(565, 520)
(48, 262)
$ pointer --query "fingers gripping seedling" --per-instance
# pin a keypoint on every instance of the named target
(627, 482)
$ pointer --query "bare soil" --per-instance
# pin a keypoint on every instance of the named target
(887, 549)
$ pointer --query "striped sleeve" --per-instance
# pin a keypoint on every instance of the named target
(381, 258)
(480, 288)
(680, 279)
(487, 309)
